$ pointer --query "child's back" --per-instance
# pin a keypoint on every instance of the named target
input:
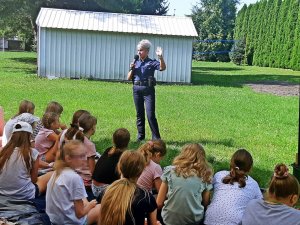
(185, 187)
(67, 187)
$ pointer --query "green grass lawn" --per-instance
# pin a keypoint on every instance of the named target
(217, 110)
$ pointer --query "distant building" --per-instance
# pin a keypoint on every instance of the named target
(10, 44)
(100, 45)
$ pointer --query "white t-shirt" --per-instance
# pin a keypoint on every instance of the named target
(60, 196)
(15, 180)
(229, 201)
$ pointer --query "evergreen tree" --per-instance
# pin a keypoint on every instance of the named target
(237, 53)
(295, 58)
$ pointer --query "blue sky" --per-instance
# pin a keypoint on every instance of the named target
(183, 7)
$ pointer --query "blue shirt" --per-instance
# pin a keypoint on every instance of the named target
(144, 69)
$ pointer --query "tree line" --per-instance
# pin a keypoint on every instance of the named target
(269, 34)
(18, 16)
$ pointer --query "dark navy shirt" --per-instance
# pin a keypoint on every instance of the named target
(145, 69)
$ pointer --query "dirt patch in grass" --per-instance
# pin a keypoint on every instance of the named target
(276, 88)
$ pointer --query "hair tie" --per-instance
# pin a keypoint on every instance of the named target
(286, 173)
(151, 144)
(81, 129)
(238, 168)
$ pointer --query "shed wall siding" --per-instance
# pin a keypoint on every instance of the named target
(107, 55)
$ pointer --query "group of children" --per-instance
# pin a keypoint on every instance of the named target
(129, 187)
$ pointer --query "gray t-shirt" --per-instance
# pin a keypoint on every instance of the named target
(184, 197)
(15, 180)
(229, 200)
(259, 212)
(60, 196)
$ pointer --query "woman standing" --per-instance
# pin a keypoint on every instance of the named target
(142, 75)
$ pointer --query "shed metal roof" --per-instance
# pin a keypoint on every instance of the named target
(116, 22)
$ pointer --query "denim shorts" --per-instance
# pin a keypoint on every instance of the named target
(37, 190)
(98, 190)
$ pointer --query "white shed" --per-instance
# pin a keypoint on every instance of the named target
(100, 45)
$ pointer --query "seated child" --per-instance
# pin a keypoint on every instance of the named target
(124, 202)
(25, 114)
(185, 188)
(46, 142)
(277, 207)
(153, 152)
(106, 167)
(19, 166)
(66, 196)
(232, 191)
(87, 125)
(54, 107)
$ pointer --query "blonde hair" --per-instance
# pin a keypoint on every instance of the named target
(151, 147)
(191, 161)
(131, 166)
(68, 149)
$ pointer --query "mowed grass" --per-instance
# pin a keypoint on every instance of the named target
(217, 110)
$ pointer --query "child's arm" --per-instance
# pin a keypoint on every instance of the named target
(205, 198)
(53, 137)
(157, 183)
(91, 162)
(34, 170)
(82, 209)
(152, 218)
(163, 190)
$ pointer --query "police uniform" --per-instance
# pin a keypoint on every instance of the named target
(144, 95)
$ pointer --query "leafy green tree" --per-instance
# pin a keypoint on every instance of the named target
(214, 20)
(19, 16)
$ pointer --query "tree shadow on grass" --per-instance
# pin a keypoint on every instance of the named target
(18, 70)
(262, 176)
(27, 60)
(206, 76)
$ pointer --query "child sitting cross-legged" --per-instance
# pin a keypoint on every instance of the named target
(66, 196)
(106, 167)
(19, 166)
(124, 202)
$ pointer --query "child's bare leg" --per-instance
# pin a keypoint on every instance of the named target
(42, 182)
(93, 215)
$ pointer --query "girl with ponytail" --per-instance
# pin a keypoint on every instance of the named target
(124, 202)
(232, 191)
(66, 201)
(153, 152)
(106, 167)
(277, 208)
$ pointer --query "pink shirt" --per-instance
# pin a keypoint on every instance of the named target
(85, 171)
(42, 143)
(150, 173)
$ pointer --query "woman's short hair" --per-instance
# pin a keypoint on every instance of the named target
(144, 44)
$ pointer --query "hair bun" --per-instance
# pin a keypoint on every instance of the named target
(281, 171)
